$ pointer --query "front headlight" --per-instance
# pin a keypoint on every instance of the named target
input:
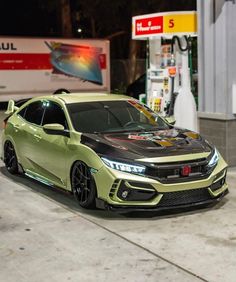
(135, 169)
(214, 159)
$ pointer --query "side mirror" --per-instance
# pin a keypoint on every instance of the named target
(11, 108)
(171, 120)
(56, 129)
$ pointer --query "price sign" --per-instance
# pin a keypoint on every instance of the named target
(164, 24)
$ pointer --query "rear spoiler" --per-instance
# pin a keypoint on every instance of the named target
(11, 108)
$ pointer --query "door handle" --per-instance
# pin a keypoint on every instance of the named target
(38, 137)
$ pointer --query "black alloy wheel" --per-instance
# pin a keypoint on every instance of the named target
(83, 185)
(10, 158)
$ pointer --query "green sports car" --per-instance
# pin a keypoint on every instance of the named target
(112, 152)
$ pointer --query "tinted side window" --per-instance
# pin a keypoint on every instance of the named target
(22, 112)
(34, 112)
(54, 114)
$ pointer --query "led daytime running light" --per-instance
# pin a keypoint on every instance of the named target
(214, 158)
(136, 169)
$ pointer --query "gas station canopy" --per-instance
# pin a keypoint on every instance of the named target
(165, 24)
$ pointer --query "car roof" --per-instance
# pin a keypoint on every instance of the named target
(71, 98)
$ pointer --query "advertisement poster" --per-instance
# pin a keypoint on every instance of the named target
(43, 65)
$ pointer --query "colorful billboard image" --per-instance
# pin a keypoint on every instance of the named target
(81, 61)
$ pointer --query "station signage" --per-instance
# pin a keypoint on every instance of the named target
(164, 24)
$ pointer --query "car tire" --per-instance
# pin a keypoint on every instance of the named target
(10, 158)
(83, 185)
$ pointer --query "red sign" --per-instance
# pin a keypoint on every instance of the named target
(164, 24)
(103, 61)
(21, 61)
(149, 25)
(186, 170)
(33, 61)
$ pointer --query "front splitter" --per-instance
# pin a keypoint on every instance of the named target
(126, 209)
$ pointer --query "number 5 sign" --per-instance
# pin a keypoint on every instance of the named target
(164, 24)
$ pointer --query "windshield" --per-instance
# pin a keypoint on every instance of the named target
(114, 116)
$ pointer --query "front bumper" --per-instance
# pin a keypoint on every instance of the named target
(145, 193)
(101, 204)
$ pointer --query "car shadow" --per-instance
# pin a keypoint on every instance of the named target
(67, 200)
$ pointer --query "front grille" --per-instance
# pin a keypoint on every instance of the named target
(171, 172)
(184, 197)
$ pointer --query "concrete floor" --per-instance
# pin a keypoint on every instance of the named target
(45, 236)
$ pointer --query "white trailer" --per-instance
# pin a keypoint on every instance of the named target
(36, 66)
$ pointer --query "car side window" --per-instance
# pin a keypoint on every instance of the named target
(34, 112)
(54, 114)
(22, 112)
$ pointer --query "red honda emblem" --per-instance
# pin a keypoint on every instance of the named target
(186, 170)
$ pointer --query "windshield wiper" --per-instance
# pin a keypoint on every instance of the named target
(97, 132)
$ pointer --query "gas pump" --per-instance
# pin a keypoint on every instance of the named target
(168, 79)
(162, 78)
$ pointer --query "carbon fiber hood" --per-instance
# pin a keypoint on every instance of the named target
(136, 145)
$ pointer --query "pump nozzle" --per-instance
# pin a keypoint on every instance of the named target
(172, 60)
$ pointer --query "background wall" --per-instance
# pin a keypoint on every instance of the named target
(217, 74)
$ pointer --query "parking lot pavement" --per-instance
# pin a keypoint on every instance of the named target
(45, 236)
(2, 116)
